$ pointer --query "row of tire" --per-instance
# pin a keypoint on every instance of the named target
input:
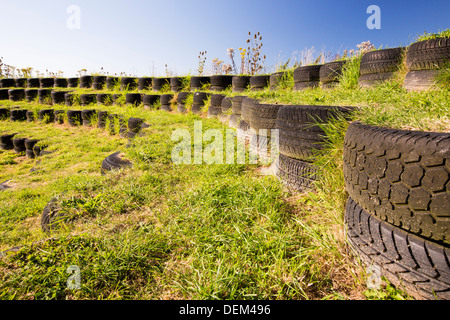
(398, 181)
(116, 124)
(423, 59)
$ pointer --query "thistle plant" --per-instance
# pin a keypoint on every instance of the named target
(201, 62)
(253, 55)
(230, 53)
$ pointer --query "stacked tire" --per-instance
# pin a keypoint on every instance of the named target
(215, 108)
(307, 77)
(240, 83)
(181, 101)
(159, 84)
(259, 82)
(199, 82)
(379, 65)
(330, 73)
(398, 210)
(301, 136)
(165, 100)
(199, 99)
(423, 60)
(235, 118)
(221, 82)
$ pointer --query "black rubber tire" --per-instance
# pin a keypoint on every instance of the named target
(31, 94)
(116, 98)
(104, 99)
(246, 106)
(240, 83)
(150, 99)
(74, 117)
(46, 115)
(381, 61)
(111, 82)
(264, 116)
(144, 83)
(37, 149)
(59, 116)
(86, 82)
(30, 116)
(331, 71)
(6, 141)
(51, 216)
(299, 134)
(420, 80)
(46, 83)
(135, 124)
(275, 78)
(221, 82)
(87, 115)
(372, 80)
(133, 99)
(182, 97)
(58, 97)
(214, 111)
(199, 82)
(296, 174)
(166, 99)
(128, 83)
(16, 94)
(7, 83)
(197, 108)
(216, 99)
(309, 73)
(88, 98)
(428, 54)
(29, 145)
(70, 99)
(20, 82)
(114, 162)
(4, 94)
(159, 83)
(259, 82)
(418, 266)
(33, 83)
(45, 96)
(236, 104)
(102, 117)
(19, 145)
(73, 82)
(200, 98)
(226, 104)
(176, 84)
(60, 83)
(18, 115)
(4, 114)
(401, 176)
(234, 121)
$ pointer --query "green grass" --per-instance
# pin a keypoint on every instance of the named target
(166, 231)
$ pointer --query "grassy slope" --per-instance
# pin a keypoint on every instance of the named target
(162, 231)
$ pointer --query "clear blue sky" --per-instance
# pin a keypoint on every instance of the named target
(140, 37)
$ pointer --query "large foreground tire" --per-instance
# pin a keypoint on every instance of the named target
(401, 177)
(419, 266)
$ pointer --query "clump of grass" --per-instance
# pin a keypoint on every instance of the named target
(428, 36)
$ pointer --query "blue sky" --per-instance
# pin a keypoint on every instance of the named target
(140, 37)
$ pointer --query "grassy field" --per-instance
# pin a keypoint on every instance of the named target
(166, 231)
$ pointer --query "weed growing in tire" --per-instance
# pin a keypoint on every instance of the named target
(201, 62)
